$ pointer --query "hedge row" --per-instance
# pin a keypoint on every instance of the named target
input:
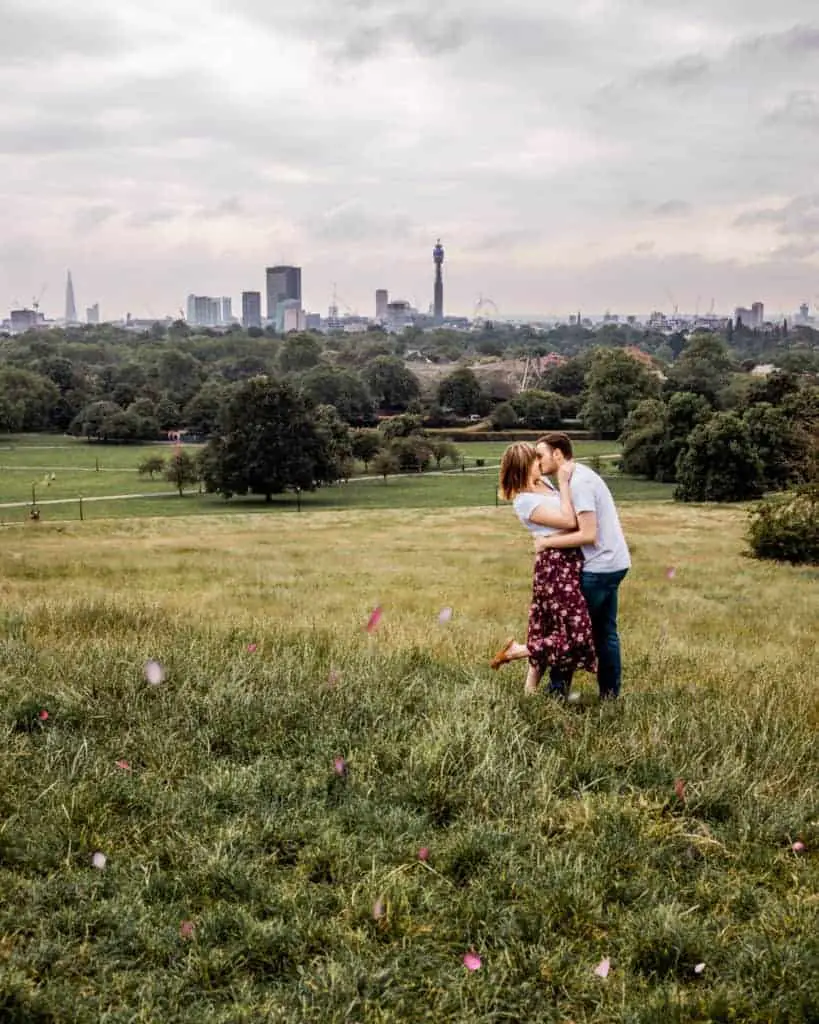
(463, 436)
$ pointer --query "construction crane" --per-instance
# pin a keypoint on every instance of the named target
(35, 302)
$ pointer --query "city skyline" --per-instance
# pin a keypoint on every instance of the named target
(620, 155)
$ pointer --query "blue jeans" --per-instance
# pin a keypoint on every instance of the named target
(600, 591)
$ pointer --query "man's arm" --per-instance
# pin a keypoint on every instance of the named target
(586, 533)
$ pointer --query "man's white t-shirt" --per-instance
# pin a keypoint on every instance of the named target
(591, 494)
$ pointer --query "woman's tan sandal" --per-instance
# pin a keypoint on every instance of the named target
(503, 655)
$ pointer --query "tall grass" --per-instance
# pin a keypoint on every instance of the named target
(252, 876)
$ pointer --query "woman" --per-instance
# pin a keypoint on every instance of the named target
(560, 630)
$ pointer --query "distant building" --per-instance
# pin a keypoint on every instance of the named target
(92, 314)
(283, 285)
(23, 320)
(290, 316)
(382, 298)
(251, 309)
(312, 321)
(205, 311)
(753, 317)
(70, 304)
(438, 288)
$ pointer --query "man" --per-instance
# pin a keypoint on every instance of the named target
(606, 555)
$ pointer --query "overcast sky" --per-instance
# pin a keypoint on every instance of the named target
(597, 154)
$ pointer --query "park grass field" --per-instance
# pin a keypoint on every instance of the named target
(252, 876)
(107, 471)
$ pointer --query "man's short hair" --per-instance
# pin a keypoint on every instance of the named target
(558, 441)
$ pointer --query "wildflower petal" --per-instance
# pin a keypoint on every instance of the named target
(603, 968)
(472, 961)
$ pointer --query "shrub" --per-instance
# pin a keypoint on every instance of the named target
(786, 528)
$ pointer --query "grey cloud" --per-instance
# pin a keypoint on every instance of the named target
(797, 41)
(672, 208)
(796, 251)
(93, 216)
(800, 109)
(37, 33)
(685, 71)
(800, 216)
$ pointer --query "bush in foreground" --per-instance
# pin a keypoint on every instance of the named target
(786, 529)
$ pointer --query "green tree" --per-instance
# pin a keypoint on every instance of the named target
(181, 470)
(344, 390)
(444, 451)
(299, 352)
(178, 374)
(391, 384)
(538, 410)
(461, 391)
(366, 445)
(643, 435)
(153, 464)
(779, 443)
(337, 444)
(413, 453)
(704, 367)
(616, 384)
(385, 463)
(269, 442)
(504, 417)
(401, 426)
(27, 400)
(569, 378)
(201, 414)
(720, 463)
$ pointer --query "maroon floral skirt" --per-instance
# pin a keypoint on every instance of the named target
(560, 630)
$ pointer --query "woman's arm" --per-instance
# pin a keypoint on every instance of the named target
(565, 519)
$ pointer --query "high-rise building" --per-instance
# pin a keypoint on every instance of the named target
(758, 313)
(70, 304)
(251, 309)
(283, 284)
(438, 301)
(23, 320)
(226, 312)
(382, 299)
(203, 311)
(92, 314)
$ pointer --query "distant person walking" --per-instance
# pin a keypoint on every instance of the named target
(606, 560)
(560, 631)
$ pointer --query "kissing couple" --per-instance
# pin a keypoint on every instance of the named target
(581, 560)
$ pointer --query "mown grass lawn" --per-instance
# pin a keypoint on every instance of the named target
(250, 875)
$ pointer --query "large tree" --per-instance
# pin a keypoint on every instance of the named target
(269, 443)
(617, 383)
(461, 391)
(704, 367)
(391, 384)
(538, 410)
(26, 400)
(344, 390)
(720, 463)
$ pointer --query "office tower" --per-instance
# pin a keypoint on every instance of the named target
(70, 304)
(203, 311)
(251, 309)
(283, 284)
(226, 311)
(758, 314)
(92, 314)
(438, 303)
(382, 299)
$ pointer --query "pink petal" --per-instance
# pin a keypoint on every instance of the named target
(251, 648)
(340, 766)
(679, 789)
(124, 766)
(99, 860)
(798, 846)
(603, 968)
(43, 716)
(378, 910)
(334, 677)
(374, 619)
(670, 572)
(154, 672)
(186, 929)
(472, 961)
(423, 853)
(445, 615)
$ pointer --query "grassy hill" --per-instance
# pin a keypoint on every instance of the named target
(251, 875)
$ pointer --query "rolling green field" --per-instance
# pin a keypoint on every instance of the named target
(100, 471)
(304, 822)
